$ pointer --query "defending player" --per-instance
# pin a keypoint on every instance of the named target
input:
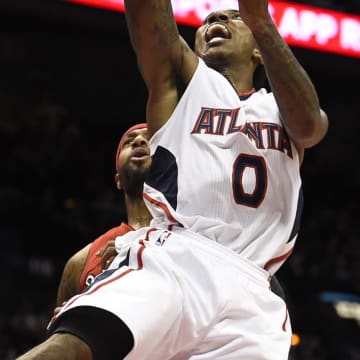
(132, 162)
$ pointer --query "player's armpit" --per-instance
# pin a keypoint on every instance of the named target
(59, 346)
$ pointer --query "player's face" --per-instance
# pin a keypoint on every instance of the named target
(135, 151)
(224, 37)
(133, 162)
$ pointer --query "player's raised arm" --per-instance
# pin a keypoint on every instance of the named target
(295, 93)
(164, 59)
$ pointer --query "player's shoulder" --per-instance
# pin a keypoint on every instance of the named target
(79, 257)
(114, 231)
(110, 235)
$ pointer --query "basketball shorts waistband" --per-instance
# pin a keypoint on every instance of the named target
(201, 244)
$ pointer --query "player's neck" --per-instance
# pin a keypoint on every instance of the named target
(137, 213)
(241, 81)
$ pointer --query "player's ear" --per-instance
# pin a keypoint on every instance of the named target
(117, 181)
(257, 58)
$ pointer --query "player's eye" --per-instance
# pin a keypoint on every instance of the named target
(128, 141)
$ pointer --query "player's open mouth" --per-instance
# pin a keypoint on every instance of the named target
(140, 154)
(217, 31)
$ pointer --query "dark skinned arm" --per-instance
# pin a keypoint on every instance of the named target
(164, 59)
(70, 279)
(294, 91)
(59, 347)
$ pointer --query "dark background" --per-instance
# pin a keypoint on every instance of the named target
(69, 87)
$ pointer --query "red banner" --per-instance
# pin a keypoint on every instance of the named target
(299, 25)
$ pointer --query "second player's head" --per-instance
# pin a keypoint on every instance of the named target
(133, 160)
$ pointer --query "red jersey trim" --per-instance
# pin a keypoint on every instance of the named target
(278, 259)
(162, 206)
(93, 262)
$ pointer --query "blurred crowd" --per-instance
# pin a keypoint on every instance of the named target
(55, 196)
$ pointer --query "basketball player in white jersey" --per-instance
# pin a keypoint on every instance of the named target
(224, 190)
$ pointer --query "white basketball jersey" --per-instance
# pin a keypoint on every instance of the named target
(226, 169)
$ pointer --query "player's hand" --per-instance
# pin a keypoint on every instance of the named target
(107, 254)
(58, 309)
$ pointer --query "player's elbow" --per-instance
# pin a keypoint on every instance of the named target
(314, 131)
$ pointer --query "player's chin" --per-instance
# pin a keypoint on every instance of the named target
(139, 169)
(214, 56)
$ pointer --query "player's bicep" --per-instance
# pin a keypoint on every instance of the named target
(68, 286)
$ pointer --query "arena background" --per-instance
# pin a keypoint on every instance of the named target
(69, 87)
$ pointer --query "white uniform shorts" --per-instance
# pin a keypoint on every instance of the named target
(186, 297)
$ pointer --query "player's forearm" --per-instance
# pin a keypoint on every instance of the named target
(294, 91)
(154, 37)
(59, 347)
(151, 24)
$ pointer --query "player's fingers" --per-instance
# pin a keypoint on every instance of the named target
(107, 257)
(57, 310)
(108, 262)
(110, 244)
